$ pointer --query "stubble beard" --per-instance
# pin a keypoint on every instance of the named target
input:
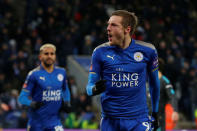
(48, 64)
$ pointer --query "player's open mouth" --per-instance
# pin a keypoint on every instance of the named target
(109, 37)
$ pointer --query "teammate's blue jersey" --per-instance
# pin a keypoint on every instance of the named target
(126, 73)
(47, 88)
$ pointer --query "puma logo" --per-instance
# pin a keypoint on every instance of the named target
(42, 78)
(112, 57)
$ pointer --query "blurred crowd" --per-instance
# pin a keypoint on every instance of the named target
(76, 27)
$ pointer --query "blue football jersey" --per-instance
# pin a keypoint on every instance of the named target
(125, 71)
(47, 88)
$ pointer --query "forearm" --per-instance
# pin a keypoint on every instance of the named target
(172, 97)
(92, 79)
(66, 95)
(23, 98)
(66, 104)
(155, 100)
(174, 103)
(154, 90)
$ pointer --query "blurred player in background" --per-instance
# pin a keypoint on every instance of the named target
(45, 91)
(167, 95)
(119, 70)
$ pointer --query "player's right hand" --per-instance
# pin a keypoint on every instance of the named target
(155, 121)
(66, 107)
(36, 104)
(99, 87)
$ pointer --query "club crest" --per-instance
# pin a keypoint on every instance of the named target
(60, 77)
(138, 56)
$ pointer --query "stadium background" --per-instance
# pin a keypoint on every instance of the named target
(76, 27)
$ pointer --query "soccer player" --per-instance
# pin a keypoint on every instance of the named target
(43, 92)
(119, 71)
(167, 95)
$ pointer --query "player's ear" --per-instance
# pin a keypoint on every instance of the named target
(128, 29)
(39, 57)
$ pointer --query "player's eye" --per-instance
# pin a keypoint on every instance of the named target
(47, 53)
(114, 24)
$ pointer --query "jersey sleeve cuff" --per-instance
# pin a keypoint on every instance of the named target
(89, 90)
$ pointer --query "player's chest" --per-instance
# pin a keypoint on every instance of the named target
(50, 81)
(125, 61)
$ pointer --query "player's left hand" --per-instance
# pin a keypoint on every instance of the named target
(99, 87)
(36, 104)
(66, 107)
(155, 121)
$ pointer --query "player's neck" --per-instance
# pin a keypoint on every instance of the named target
(126, 43)
(49, 69)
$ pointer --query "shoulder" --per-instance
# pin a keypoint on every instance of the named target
(34, 71)
(145, 44)
(60, 69)
(102, 46)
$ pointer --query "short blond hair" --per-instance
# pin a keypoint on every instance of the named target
(47, 45)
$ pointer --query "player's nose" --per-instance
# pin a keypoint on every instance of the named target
(108, 28)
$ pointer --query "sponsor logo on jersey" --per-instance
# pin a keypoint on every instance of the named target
(51, 95)
(138, 56)
(125, 80)
(60, 77)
